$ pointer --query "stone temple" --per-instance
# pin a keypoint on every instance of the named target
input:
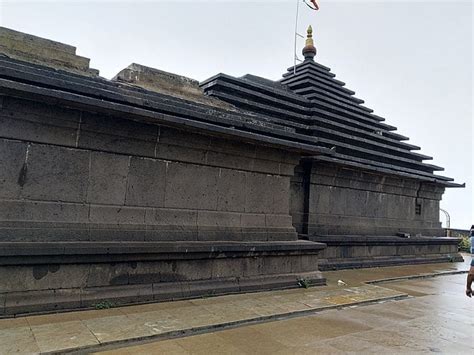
(152, 186)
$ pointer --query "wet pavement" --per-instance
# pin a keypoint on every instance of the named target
(438, 320)
(286, 321)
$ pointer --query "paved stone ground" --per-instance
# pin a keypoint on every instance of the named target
(388, 326)
(439, 320)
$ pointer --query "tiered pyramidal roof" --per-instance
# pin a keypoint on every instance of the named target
(313, 103)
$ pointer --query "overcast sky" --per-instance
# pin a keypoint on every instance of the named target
(411, 61)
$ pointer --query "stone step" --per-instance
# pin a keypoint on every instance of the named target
(37, 50)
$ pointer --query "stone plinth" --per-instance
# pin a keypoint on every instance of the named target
(39, 277)
(349, 251)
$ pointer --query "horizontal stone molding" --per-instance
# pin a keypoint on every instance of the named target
(19, 253)
(17, 303)
(338, 240)
(349, 251)
(50, 276)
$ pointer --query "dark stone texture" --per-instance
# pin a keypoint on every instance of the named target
(133, 272)
(117, 215)
(352, 251)
(115, 135)
(107, 178)
(56, 173)
(230, 186)
(38, 122)
(146, 182)
(267, 193)
(191, 186)
(25, 212)
(12, 158)
(349, 201)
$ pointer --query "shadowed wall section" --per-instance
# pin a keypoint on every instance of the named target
(345, 201)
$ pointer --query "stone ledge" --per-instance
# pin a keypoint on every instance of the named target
(338, 240)
(349, 251)
(358, 263)
(85, 252)
(44, 300)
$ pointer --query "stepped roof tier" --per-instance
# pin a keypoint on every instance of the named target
(312, 102)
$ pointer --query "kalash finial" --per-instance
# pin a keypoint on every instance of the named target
(309, 50)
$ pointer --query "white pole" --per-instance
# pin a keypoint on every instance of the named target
(448, 222)
(296, 35)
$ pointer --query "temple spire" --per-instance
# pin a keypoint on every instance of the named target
(309, 50)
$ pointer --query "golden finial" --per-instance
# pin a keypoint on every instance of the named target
(309, 50)
(309, 36)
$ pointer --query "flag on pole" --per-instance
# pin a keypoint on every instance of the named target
(315, 4)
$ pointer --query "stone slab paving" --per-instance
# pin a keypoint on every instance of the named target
(91, 329)
(439, 321)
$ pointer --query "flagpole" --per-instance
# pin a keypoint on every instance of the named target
(296, 35)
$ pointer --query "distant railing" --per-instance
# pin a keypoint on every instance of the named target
(456, 233)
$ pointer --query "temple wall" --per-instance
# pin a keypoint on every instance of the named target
(69, 175)
(342, 201)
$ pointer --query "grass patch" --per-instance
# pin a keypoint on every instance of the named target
(104, 305)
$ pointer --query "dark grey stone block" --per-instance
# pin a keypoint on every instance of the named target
(107, 178)
(119, 215)
(276, 155)
(220, 234)
(39, 301)
(108, 274)
(231, 190)
(117, 235)
(280, 194)
(146, 182)
(116, 135)
(278, 221)
(178, 153)
(191, 186)
(232, 147)
(172, 136)
(122, 294)
(259, 193)
(45, 234)
(38, 122)
(218, 219)
(12, 159)
(171, 217)
(56, 173)
(320, 199)
(170, 234)
(43, 211)
(252, 220)
(230, 161)
(287, 169)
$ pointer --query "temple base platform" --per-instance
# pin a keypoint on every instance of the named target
(42, 277)
(352, 251)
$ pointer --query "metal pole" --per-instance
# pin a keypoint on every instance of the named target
(296, 34)
(448, 221)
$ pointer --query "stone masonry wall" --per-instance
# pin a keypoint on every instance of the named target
(72, 175)
(343, 201)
